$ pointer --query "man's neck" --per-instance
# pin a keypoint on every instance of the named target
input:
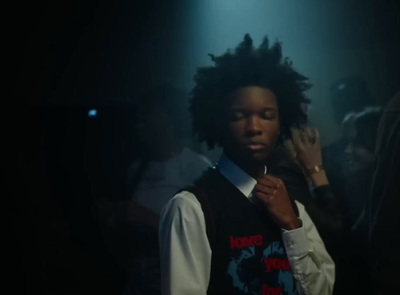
(254, 171)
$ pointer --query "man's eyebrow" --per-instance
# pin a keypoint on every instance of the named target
(269, 109)
(244, 109)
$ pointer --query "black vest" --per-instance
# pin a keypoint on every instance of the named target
(248, 255)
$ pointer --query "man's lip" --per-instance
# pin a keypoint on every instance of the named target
(255, 146)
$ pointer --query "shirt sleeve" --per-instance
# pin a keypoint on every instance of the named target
(312, 267)
(184, 247)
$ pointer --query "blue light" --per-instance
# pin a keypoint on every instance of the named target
(92, 113)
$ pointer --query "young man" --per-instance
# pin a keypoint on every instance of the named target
(236, 231)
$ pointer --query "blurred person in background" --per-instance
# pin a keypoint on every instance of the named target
(347, 95)
(328, 212)
(163, 165)
(360, 158)
(382, 207)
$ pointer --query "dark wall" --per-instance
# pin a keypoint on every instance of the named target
(74, 55)
(93, 51)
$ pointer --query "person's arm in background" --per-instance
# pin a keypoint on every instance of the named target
(184, 247)
(305, 150)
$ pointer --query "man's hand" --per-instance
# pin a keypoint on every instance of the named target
(308, 147)
(272, 193)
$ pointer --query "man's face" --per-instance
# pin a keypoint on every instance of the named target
(251, 124)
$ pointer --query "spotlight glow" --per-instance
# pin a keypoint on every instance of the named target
(92, 113)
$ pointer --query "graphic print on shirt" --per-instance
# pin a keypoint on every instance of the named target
(269, 275)
(273, 258)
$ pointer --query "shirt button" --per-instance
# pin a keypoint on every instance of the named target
(290, 243)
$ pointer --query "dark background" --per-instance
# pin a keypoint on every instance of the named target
(72, 56)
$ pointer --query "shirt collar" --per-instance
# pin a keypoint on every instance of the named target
(240, 179)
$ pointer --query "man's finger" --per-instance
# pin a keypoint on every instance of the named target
(265, 189)
(269, 182)
(310, 134)
(317, 137)
(297, 138)
(264, 197)
(274, 179)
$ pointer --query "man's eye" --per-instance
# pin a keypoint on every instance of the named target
(268, 115)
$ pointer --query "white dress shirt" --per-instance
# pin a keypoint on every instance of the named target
(186, 254)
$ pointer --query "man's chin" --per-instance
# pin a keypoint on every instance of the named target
(253, 157)
(259, 157)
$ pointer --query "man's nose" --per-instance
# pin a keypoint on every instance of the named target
(253, 125)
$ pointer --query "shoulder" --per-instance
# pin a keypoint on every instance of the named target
(192, 164)
(184, 198)
(183, 202)
(182, 214)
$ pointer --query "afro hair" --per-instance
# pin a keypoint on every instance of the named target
(247, 66)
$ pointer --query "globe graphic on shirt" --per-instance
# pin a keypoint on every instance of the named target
(245, 268)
